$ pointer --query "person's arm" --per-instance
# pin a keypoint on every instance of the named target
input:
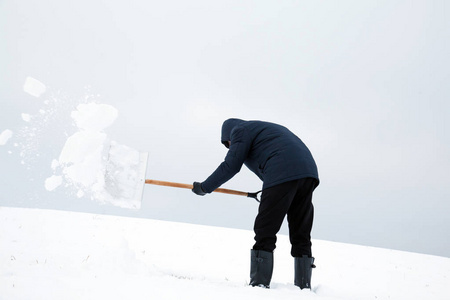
(237, 153)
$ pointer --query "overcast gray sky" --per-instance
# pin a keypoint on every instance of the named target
(365, 84)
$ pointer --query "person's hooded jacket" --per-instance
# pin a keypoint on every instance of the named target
(269, 150)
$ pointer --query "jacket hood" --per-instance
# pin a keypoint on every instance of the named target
(227, 127)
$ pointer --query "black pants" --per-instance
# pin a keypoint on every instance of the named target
(294, 199)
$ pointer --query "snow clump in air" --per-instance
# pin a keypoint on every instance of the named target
(5, 136)
(34, 87)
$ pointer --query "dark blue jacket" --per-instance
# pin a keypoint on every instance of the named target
(271, 151)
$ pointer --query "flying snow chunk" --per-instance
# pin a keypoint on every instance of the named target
(94, 116)
(5, 136)
(53, 182)
(55, 164)
(34, 87)
(26, 117)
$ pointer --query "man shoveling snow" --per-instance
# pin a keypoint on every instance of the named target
(289, 174)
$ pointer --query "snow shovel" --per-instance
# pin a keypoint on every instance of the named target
(190, 186)
(125, 177)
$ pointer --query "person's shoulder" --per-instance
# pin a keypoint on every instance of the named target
(261, 123)
(242, 131)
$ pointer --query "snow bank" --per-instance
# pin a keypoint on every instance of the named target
(85, 256)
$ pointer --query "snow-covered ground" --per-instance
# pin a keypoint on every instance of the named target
(47, 254)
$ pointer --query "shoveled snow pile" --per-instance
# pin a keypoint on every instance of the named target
(65, 255)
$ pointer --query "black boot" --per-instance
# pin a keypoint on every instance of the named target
(303, 271)
(261, 268)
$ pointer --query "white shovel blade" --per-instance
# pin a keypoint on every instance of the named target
(125, 176)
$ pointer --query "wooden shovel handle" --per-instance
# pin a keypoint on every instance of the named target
(190, 186)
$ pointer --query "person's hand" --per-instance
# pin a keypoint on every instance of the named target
(197, 189)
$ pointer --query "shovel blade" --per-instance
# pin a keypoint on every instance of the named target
(125, 176)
